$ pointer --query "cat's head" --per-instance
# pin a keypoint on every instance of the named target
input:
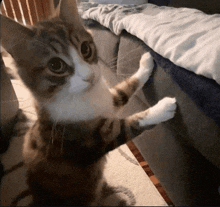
(56, 58)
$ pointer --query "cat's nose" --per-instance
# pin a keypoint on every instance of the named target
(86, 73)
(83, 71)
(89, 78)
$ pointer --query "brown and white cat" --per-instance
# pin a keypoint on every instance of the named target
(77, 121)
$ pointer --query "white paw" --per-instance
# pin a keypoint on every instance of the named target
(147, 61)
(163, 111)
(145, 68)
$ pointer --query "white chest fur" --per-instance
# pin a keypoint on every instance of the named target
(94, 103)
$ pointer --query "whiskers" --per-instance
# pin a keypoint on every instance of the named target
(56, 140)
(50, 144)
(53, 132)
(62, 141)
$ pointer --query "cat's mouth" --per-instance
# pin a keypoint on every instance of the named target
(91, 81)
(84, 84)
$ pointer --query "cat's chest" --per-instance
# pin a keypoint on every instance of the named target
(77, 143)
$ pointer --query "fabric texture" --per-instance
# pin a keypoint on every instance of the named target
(187, 37)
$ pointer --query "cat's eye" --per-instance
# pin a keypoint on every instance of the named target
(86, 50)
(56, 65)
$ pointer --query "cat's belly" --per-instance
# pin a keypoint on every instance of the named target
(63, 183)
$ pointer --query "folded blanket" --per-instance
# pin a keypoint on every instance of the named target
(187, 37)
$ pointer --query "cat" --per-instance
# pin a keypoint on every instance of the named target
(77, 122)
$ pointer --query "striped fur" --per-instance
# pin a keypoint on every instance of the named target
(77, 113)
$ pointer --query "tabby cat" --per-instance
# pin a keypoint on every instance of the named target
(77, 123)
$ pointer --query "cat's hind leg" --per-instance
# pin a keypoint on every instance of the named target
(124, 90)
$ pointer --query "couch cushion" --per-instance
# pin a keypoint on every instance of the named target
(177, 150)
(189, 122)
(129, 54)
(187, 177)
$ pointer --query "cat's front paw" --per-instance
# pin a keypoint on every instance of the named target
(163, 111)
(145, 68)
(147, 62)
(166, 108)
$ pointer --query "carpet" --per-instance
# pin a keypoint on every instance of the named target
(128, 184)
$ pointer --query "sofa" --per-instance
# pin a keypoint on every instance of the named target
(184, 153)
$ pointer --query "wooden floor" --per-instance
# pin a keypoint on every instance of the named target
(149, 172)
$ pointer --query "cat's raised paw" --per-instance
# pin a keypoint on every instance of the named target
(145, 68)
(167, 103)
(163, 111)
(147, 61)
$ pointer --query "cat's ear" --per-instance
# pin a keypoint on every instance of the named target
(12, 33)
(68, 12)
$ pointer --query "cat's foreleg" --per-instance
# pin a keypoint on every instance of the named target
(163, 111)
(132, 126)
(124, 90)
(146, 66)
